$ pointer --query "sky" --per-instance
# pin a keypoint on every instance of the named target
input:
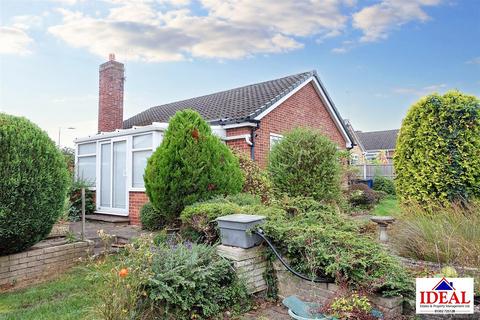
(375, 57)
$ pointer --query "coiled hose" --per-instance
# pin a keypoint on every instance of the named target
(262, 235)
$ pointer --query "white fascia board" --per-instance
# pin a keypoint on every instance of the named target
(325, 100)
(279, 102)
(122, 132)
(239, 125)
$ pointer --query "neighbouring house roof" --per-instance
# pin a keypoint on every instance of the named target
(378, 140)
(243, 104)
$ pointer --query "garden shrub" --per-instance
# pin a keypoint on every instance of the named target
(384, 184)
(190, 165)
(326, 243)
(360, 195)
(351, 306)
(191, 281)
(257, 181)
(436, 158)
(33, 184)
(150, 218)
(305, 163)
(198, 220)
(75, 196)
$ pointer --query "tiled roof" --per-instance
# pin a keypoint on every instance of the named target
(378, 140)
(230, 106)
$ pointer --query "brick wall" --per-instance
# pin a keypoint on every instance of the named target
(110, 104)
(42, 261)
(136, 200)
(289, 284)
(302, 109)
(239, 144)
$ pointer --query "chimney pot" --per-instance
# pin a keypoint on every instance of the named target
(111, 57)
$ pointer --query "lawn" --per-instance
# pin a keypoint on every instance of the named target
(387, 207)
(71, 296)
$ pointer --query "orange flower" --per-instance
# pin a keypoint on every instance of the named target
(123, 273)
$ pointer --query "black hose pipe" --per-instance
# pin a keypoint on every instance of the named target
(262, 235)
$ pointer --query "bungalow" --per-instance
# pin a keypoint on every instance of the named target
(250, 118)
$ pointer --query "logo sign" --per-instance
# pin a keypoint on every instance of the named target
(444, 296)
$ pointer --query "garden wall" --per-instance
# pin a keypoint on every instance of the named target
(42, 261)
(289, 284)
(250, 264)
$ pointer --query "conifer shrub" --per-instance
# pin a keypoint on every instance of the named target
(33, 184)
(190, 165)
(306, 164)
(150, 218)
(384, 184)
(437, 154)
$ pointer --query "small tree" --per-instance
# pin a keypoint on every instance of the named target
(306, 163)
(33, 184)
(190, 165)
(257, 181)
(437, 158)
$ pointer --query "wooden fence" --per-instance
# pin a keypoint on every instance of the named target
(368, 171)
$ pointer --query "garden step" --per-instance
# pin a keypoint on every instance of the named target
(105, 218)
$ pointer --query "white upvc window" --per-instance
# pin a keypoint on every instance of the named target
(86, 162)
(274, 139)
(142, 149)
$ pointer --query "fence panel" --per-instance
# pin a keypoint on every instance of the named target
(368, 171)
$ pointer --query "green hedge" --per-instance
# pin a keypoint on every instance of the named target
(305, 163)
(33, 184)
(437, 155)
(190, 165)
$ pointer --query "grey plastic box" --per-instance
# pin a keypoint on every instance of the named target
(233, 230)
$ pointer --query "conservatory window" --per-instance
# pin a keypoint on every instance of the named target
(86, 163)
(142, 148)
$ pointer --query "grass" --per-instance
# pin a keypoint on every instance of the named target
(71, 296)
(388, 206)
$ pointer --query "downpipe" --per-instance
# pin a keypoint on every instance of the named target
(262, 235)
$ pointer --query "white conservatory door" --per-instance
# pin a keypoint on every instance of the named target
(113, 193)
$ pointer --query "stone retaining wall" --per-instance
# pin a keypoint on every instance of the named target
(249, 264)
(42, 261)
(289, 284)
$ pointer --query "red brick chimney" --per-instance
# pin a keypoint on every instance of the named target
(110, 104)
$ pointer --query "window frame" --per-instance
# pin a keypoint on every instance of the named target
(78, 156)
(133, 151)
(276, 137)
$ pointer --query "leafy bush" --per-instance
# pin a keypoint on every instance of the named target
(257, 181)
(351, 306)
(191, 281)
(436, 158)
(324, 242)
(75, 195)
(360, 195)
(151, 219)
(384, 184)
(190, 165)
(198, 220)
(169, 280)
(33, 184)
(306, 164)
(448, 235)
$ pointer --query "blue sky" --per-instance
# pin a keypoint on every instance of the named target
(375, 57)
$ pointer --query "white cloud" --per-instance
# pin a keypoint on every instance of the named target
(475, 60)
(376, 21)
(149, 31)
(14, 41)
(421, 91)
(26, 22)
